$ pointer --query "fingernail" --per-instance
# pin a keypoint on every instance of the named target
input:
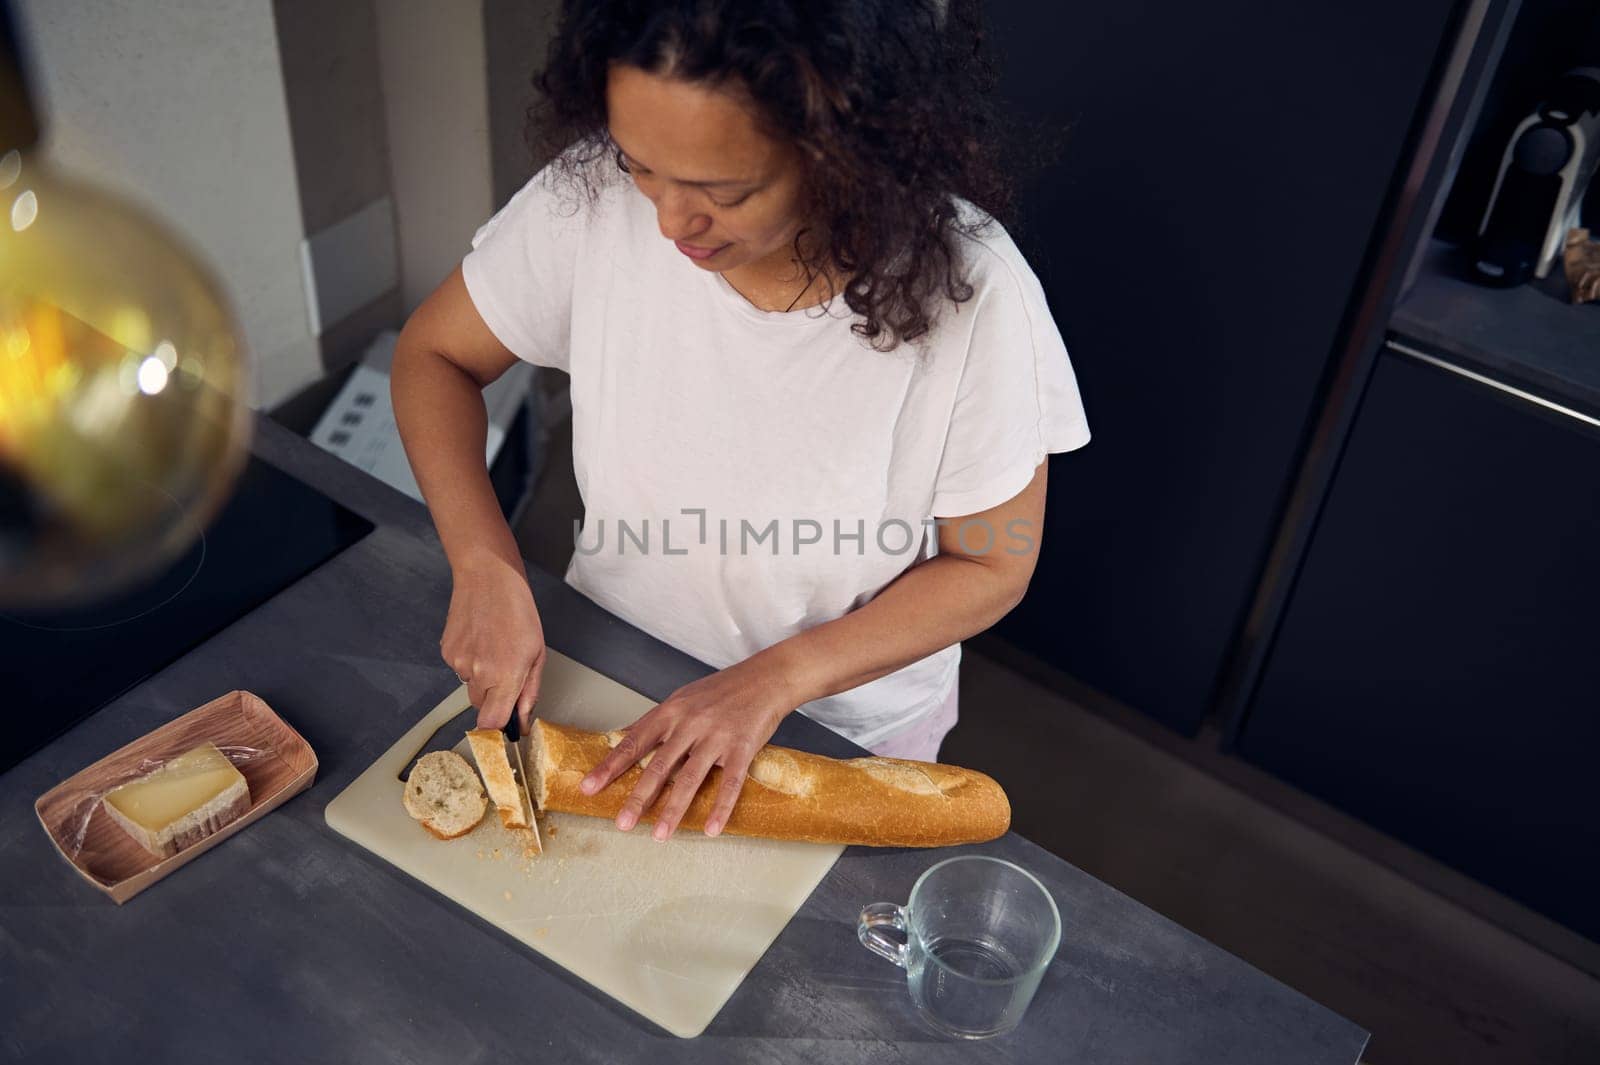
(713, 828)
(587, 786)
(662, 833)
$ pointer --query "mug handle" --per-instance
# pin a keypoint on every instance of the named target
(870, 929)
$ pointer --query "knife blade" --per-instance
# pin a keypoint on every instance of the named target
(513, 731)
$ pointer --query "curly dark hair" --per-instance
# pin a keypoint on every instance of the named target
(889, 102)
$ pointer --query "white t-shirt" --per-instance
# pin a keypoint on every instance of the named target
(749, 474)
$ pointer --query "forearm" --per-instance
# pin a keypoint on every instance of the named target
(443, 424)
(934, 604)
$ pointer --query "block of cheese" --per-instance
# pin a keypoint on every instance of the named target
(183, 802)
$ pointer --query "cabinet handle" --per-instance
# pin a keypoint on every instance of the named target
(1499, 386)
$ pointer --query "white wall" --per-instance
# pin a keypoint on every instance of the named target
(436, 105)
(179, 105)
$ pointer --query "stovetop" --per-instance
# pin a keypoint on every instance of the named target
(58, 667)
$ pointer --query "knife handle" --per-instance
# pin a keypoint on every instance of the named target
(513, 727)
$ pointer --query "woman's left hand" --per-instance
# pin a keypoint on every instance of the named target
(720, 720)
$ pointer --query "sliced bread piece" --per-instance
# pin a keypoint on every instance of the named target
(444, 794)
(489, 751)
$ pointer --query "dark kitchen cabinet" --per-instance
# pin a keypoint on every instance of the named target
(1200, 238)
(1437, 671)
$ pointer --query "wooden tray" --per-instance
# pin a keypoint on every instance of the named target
(108, 857)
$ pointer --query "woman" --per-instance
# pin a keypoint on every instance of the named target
(814, 384)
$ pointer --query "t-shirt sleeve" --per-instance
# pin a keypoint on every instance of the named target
(520, 270)
(1017, 400)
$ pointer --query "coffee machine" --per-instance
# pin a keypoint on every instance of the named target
(1545, 172)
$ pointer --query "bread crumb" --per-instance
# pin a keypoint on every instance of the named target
(541, 932)
(508, 896)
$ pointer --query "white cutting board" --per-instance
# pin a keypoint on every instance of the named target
(667, 929)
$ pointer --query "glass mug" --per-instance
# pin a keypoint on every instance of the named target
(979, 934)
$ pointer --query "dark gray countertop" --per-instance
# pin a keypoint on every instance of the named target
(288, 943)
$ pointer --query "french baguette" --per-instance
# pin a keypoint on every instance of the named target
(793, 795)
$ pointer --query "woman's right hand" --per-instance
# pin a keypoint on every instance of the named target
(493, 639)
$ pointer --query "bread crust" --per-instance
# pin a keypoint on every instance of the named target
(789, 794)
(436, 834)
